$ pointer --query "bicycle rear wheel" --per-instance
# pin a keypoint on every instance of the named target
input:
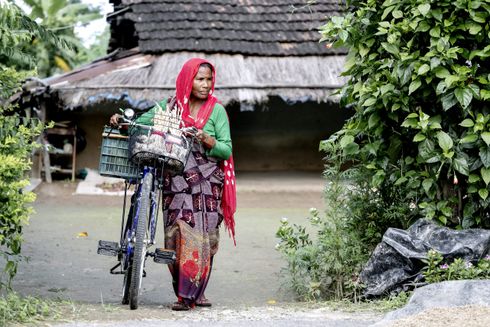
(139, 254)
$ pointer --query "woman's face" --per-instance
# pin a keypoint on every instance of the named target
(203, 81)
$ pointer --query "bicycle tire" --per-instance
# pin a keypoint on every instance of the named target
(126, 284)
(126, 259)
(139, 253)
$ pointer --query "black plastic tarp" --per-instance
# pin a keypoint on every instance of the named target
(397, 260)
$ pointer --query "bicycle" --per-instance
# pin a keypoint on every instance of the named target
(138, 230)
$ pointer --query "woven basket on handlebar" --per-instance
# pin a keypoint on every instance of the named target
(149, 145)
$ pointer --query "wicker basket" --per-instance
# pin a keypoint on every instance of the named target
(147, 146)
(114, 154)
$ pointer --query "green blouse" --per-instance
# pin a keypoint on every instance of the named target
(217, 127)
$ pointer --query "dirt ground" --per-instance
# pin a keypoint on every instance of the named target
(246, 285)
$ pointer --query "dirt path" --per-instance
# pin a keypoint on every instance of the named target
(246, 284)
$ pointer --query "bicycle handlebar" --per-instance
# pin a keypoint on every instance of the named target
(126, 122)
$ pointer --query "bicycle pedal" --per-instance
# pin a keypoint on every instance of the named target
(108, 248)
(164, 256)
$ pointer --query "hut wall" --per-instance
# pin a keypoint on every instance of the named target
(280, 136)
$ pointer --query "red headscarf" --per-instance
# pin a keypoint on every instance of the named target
(184, 84)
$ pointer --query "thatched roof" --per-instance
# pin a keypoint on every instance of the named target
(260, 48)
(140, 79)
(250, 27)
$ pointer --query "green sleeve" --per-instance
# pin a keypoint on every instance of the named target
(218, 127)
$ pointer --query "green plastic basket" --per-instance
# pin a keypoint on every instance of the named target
(114, 160)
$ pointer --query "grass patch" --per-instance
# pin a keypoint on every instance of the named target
(378, 305)
(15, 309)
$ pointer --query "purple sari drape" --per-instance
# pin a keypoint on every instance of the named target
(192, 215)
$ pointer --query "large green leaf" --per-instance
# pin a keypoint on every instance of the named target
(414, 86)
(483, 192)
(464, 96)
(473, 28)
(485, 94)
(391, 48)
(461, 165)
(369, 102)
(441, 72)
(484, 154)
(448, 101)
(405, 73)
(469, 138)
(426, 149)
(467, 123)
(373, 120)
(351, 149)
(427, 184)
(397, 14)
(485, 174)
(423, 69)
(473, 178)
(424, 9)
(486, 137)
(345, 140)
(445, 141)
(419, 137)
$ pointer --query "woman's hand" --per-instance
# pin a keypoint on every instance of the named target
(205, 139)
(114, 121)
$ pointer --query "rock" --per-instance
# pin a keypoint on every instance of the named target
(442, 295)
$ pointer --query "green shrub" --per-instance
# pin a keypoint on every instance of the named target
(418, 144)
(418, 79)
(17, 136)
(16, 143)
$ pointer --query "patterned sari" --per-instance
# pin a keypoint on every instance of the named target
(192, 215)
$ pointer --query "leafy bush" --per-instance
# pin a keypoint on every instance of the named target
(16, 143)
(419, 83)
(438, 270)
(17, 135)
(418, 143)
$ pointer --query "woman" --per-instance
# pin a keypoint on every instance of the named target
(195, 203)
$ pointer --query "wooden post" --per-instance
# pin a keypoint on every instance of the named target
(46, 161)
(44, 150)
(74, 154)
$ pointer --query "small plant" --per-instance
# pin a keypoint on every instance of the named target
(325, 266)
(439, 270)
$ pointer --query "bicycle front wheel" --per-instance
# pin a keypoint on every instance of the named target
(139, 254)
